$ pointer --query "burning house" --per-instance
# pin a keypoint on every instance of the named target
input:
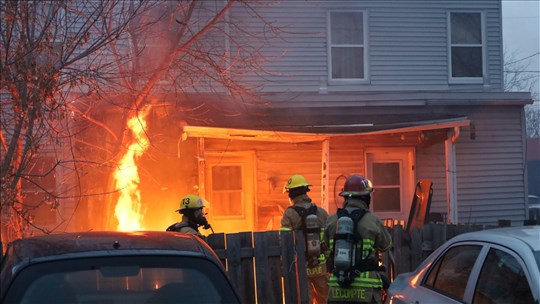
(398, 91)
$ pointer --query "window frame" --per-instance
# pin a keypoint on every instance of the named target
(365, 47)
(482, 45)
(488, 248)
(473, 274)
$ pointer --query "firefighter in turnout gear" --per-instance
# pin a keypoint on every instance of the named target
(356, 236)
(306, 216)
(193, 217)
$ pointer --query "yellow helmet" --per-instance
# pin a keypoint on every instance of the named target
(295, 181)
(191, 201)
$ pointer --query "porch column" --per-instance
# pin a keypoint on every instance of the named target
(325, 176)
(451, 187)
(201, 166)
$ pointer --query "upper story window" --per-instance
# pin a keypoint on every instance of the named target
(347, 45)
(466, 46)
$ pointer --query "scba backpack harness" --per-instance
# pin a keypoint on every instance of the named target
(178, 226)
(312, 231)
(347, 252)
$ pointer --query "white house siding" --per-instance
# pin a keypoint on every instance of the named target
(407, 45)
(490, 168)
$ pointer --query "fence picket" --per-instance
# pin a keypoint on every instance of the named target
(266, 267)
(267, 256)
(247, 269)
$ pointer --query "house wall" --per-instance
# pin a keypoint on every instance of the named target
(490, 167)
(407, 45)
(276, 162)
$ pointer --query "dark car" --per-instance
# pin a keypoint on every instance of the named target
(114, 267)
(491, 266)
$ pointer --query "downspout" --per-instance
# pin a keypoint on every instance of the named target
(451, 181)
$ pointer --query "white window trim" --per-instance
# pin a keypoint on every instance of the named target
(466, 80)
(345, 81)
(408, 179)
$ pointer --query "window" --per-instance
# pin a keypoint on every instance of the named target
(502, 280)
(466, 46)
(347, 51)
(449, 275)
(391, 172)
(388, 180)
(227, 190)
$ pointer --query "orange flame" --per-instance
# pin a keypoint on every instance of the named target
(126, 176)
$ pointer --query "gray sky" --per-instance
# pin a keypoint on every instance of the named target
(521, 33)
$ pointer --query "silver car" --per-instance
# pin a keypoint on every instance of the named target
(491, 266)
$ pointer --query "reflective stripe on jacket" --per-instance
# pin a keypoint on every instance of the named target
(292, 221)
(375, 237)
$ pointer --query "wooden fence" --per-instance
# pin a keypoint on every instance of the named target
(263, 266)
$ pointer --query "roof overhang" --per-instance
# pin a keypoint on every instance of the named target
(297, 137)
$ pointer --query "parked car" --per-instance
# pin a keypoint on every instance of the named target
(534, 208)
(114, 267)
(491, 266)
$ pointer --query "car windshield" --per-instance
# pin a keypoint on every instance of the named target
(122, 280)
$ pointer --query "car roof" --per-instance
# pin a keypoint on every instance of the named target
(105, 243)
(527, 235)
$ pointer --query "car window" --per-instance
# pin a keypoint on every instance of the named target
(142, 280)
(449, 275)
(502, 280)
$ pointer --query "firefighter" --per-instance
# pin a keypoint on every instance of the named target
(193, 217)
(356, 236)
(304, 215)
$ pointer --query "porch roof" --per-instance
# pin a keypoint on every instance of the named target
(313, 117)
(306, 133)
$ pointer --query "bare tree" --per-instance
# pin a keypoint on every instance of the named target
(518, 76)
(192, 48)
(47, 49)
(67, 65)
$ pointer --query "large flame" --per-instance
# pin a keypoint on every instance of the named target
(126, 176)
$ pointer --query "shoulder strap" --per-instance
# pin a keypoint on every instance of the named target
(357, 215)
(300, 210)
(303, 212)
(177, 226)
(341, 212)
